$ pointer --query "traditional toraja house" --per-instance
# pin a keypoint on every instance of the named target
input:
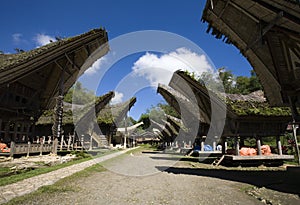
(166, 133)
(147, 137)
(35, 81)
(95, 125)
(267, 34)
(109, 120)
(77, 125)
(187, 110)
(127, 132)
(244, 119)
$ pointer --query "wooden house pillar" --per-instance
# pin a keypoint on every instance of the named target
(214, 146)
(202, 146)
(258, 145)
(224, 145)
(58, 114)
(237, 145)
(279, 147)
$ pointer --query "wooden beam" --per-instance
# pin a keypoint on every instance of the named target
(65, 70)
(265, 30)
(72, 62)
(222, 11)
(244, 12)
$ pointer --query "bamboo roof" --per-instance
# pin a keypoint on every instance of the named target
(34, 76)
(267, 32)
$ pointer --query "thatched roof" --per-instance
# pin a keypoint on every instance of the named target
(199, 95)
(82, 112)
(253, 104)
(182, 105)
(267, 34)
(256, 96)
(245, 115)
(35, 75)
(114, 114)
(165, 132)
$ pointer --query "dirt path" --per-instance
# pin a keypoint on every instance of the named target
(157, 178)
(143, 179)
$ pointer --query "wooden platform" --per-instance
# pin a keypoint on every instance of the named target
(259, 157)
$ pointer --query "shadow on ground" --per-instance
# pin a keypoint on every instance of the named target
(282, 181)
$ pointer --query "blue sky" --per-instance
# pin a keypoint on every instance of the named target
(25, 23)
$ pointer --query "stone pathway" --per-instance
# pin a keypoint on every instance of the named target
(29, 185)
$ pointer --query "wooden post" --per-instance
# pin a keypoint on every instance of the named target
(12, 149)
(58, 114)
(258, 143)
(82, 140)
(279, 147)
(223, 145)
(202, 146)
(109, 137)
(69, 142)
(41, 146)
(237, 145)
(91, 141)
(61, 142)
(28, 148)
(214, 146)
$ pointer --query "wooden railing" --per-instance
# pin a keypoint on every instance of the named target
(28, 148)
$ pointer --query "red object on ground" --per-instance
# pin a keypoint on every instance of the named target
(246, 151)
(4, 147)
(266, 150)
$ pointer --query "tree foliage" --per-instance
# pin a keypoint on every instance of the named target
(157, 114)
(230, 83)
(79, 95)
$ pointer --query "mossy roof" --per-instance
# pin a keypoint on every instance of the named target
(39, 71)
(68, 117)
(253, 104)
(265, 32)
(8, 61)
(113, 114)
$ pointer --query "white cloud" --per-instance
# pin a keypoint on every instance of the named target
(159, 69)
(118, 98)
(17, 38)
(96, 66)
(43, 39)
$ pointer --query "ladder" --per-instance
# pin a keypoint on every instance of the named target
(218, 161)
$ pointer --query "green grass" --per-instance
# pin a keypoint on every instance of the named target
(63, 185)
(82, 157)
(24, 175)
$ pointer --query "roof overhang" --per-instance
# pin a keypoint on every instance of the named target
(267, 32)
(37, 76)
